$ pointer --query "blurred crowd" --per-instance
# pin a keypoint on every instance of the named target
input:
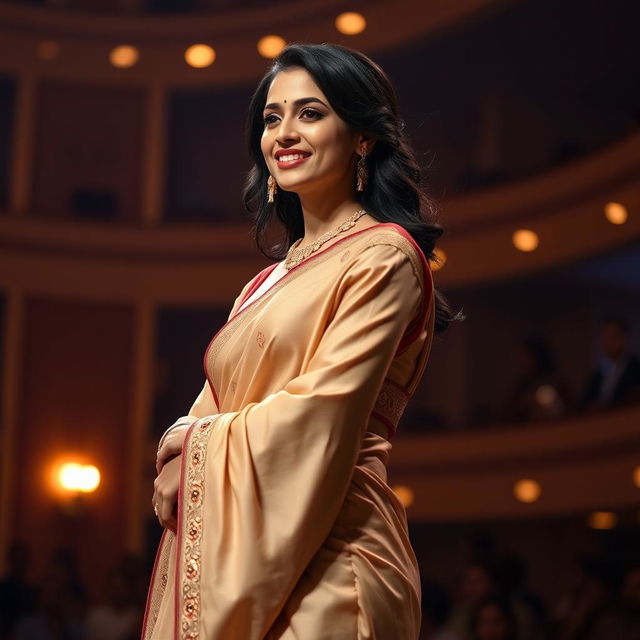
(489, 600)
(59, 607)
(492, 601)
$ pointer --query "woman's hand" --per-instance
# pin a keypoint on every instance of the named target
(172, 445)
(165, 493)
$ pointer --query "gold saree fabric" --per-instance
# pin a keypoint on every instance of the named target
(287, 528)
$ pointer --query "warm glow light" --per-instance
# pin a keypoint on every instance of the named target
(636, 477)
(123, 56)
(47, 50)
(440, 261)
(525, 239)
(270, 46)
(405, 495)
(350, 23)
(200, 55)
(79, 477)
(527, 490)
(602, 520)
(615, 213)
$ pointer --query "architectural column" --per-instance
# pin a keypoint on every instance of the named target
(22, 149)
(142, 389)
(154, 156)
(11, 375)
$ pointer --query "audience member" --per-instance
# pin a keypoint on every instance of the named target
(481, 580)
(621, 620)
(616, 379)
(590, 593)
(539, 391)
(436, 604)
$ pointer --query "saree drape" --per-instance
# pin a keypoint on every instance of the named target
(287, 528)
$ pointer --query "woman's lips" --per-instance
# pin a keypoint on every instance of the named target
(293, 163)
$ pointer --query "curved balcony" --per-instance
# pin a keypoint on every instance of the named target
(582, 464)
(178, 263)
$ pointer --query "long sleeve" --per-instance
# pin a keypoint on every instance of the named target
(263, 486)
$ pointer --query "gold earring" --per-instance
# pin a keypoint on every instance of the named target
(362, 172)
(271, 183)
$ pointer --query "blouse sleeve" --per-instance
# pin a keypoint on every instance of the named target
(271, 478)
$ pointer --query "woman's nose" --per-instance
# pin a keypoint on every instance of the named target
(287, 130)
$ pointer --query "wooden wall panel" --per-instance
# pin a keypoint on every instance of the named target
(75, 402)
(88, 137)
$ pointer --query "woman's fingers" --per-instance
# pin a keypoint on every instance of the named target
(171, 446)
(165, 494)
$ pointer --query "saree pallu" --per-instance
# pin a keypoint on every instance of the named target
(287, 528)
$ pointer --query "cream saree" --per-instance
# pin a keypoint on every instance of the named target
(287, 528)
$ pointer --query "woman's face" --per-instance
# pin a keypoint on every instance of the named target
(312, 127)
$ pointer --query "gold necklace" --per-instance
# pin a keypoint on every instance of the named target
(296, 255)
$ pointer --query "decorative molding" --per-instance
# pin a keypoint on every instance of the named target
(178, 264)
(582, 463)
(86, 38)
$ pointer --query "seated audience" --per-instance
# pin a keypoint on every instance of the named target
(615, 380)
(539, 392)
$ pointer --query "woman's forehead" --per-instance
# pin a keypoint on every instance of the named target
(290, 84)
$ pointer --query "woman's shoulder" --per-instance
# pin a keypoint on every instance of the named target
(374, 242)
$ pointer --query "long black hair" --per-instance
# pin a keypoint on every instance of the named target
(363, 97)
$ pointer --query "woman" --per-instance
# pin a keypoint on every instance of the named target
(285, 526)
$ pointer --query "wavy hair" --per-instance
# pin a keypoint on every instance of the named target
(362, 95)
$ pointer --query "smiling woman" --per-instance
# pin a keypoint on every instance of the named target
(279, 522)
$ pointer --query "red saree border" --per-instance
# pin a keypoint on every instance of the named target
(269, 268)
(257, 281)
(415, 328)
(152, 592)
(190, 525)
(391, 399)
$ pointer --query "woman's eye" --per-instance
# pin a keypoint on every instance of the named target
(268, 120)
(313, 111)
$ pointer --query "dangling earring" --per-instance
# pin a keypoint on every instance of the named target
(271, 183)
(362, 172)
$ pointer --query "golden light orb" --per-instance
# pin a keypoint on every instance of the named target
(405, 495)
(200, 55)
(527, 490)
(73, 476)
(124, 56)
(525, 239)
(602, 520)
(270, 46)
(351, 23)
(636, 477)
(440, 261)
(615, 213)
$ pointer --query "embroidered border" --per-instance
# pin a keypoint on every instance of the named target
(379, 236)
(158, 584)
(390, 405)
(191, 533)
